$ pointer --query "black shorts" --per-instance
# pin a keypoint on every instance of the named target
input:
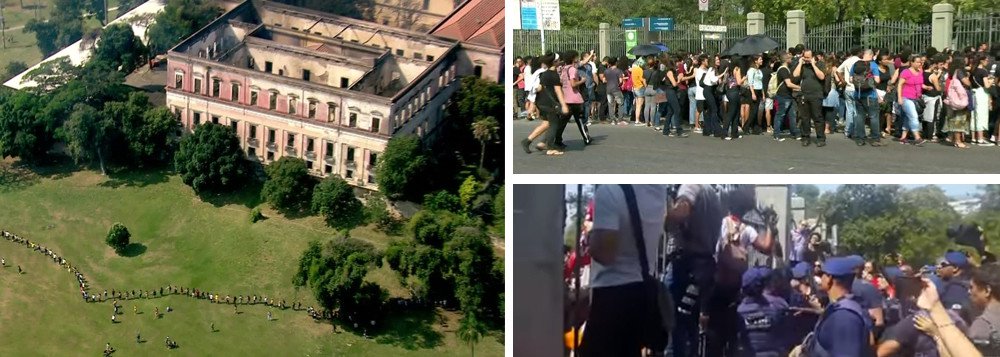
(700, 104)
(614, 326)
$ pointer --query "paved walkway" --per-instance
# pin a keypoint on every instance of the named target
(640, 150)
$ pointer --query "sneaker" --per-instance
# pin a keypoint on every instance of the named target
(934, 140)
(671, 134)
(683, 135)
(806, 142)
(779, 139)
(874, 143)
(860, 142)
(798, 138)
(658, 128)
(727, 138)
(697, 130)
(526, 144)
(588, 123)
(920, 142)
(821, 143)
(770, 130)
(639, 124)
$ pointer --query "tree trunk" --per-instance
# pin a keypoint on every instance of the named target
(482, 154)
(100, 158)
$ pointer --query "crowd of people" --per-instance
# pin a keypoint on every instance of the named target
(733, 296)
(909, 96)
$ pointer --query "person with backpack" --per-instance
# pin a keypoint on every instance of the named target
(780, 88)
(956, 101)
(844, 328)
(734, 84)
(846, 71)
(653, 78)
(707, 80)
(587, 70)
(671, 108)
(865, 78)
(615, 327)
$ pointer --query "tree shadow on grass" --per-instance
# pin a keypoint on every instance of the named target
(136, 177)
(248, 195)
(133, 250)
(412, 330)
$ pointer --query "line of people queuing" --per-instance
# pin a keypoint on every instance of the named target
(906, 96)
(729, 301)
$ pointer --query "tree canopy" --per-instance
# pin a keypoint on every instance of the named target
(288, 186)
(118, 237)
(400, 171)
(179, 19)
(24, 132)
(63, 28)
(210, 159)
(119, 49)
(335, 272)
(334, 199)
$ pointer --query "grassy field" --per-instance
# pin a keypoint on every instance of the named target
(181, 240)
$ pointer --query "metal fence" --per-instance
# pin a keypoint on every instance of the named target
(684, 37)
(892, 35)
(973, 29)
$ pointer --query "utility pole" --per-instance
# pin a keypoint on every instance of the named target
(3, 27)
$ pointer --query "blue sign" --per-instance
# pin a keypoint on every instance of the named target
(529, 18)
(661, 24)
(633, 23)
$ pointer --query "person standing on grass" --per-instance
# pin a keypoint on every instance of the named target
(910, 88)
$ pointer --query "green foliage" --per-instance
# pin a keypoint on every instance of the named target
(851, 202)
(210, 159)
(498, 212)
(52, 74)
(468, 191)
(466, 135)
(377, 212)
(335, 272)
(255, 215)
(83, 133)
(809, 194)
(46, 34)
(179, 19)
(13, 68)
(24, 132)
(119, 49)
(63, 28)
(470, 330)
(989, 197)
(485, 130)
(118, 237)
(334, 199)
(442, 201)
(911, 222)
(470, 255)
(153, 139)
(400, 172)
(434, 228)
(288, 187)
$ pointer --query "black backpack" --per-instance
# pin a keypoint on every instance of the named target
(864, 81)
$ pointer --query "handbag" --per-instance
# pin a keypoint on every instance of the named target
(658, 318)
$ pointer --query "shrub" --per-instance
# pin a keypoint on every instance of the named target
(118, 237)
(255, 215)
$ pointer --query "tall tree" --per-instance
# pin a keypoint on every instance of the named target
(399, 172)
(23, 132)
(46, 34)
(335, 271)
(484, 130)
(470, 330)
(989, 196)
(119, 49)
(210, 159)
(179, 19)
(288, 187)
(13, 68)
(856, 201)
(84, 134)
(334, 199)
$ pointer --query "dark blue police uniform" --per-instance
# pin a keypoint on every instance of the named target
(845, 326)
(762, 325)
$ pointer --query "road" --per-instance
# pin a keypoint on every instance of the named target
(640, 150)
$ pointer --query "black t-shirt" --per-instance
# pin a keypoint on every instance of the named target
(600, 87)
(927, 82)
(784, 73)
(666, 81)
(978, 77)
(517, 72)
(883, 77)
(812, 86)
(766, 77)
(653, 76)
(547, 97)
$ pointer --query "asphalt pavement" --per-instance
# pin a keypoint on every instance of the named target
(641, 150)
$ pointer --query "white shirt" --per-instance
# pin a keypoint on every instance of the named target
(846, 68)
(699, 92)
(611, 213)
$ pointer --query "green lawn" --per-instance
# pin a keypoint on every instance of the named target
(179, 240)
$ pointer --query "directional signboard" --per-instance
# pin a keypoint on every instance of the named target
(633, 23)
(711, 28)
(661, 24)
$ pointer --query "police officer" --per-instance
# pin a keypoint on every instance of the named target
(695, 215)
(761, 323)
(805, 301)
(845, 327)
(953, 270)
(869, 296)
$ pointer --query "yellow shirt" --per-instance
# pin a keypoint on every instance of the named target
(638, 82)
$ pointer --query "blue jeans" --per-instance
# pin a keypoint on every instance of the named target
(629, 104)
(869, 107)
(851, 111)
(671, 112)
(692, 105)
(586, 108)
(911, 122)
(785, 107)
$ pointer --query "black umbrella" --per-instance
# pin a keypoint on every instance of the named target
(751, 45)
(645, 50)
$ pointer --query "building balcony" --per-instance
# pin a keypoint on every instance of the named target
(330, 160)
(290, 151)
(272, 146)
(350, 163)
(311, 155)
(253, 142)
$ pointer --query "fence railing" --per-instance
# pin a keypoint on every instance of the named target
(869, 34)
(973, 29)
(684, 37)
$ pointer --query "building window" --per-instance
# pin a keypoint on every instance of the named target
(215, 119)
(430, 58)
(253, 131)
(478, 71)
(178, 79)
(372, 159)
(281, 72)
(353, 121)
(235, 95)
(292, 104)
(253, 97)
(350, 174)
(309, 165)
(268, 66)
(427, 4)
(418, 55)
(305, 74)
(197, 118)
(399, 52)
(312, 109)
(344, 82)
(270, 136)
(216, 84)
(328, 169)
(331, 112)
(329, 149)
(291, 140)
(197, 85)
(233, 124)
(375, 124)
(273, 100)
(252, 152)
(371, 179)
(309, 144)
(350, 154)
(177, 112)
(270, 156)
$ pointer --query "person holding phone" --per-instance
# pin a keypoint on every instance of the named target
(810, 75)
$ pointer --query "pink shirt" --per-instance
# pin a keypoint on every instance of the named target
(912, 87)
(570, 93)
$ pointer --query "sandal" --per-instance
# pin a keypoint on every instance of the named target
(554, 153)
(961, 146)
